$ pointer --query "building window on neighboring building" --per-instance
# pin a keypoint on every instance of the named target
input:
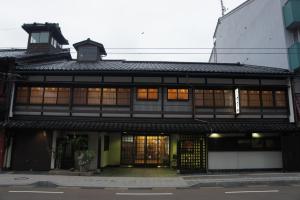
(36, 95)
(22, 95)
(123, 96)
(180, 94)
(280, 99)
(94, 96)
(50, 95)
(147, 94)
(109, 96)
(267, 99)
(40, 37)
(80, 96)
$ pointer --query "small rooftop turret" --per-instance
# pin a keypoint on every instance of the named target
(44, 38)
(89, 51)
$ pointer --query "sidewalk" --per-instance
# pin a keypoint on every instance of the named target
(222, 180)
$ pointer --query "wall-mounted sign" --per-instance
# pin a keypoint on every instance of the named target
(237, 101)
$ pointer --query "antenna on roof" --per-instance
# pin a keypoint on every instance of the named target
(223, 8)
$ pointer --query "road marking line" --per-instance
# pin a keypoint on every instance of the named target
(144, 194)
(241, 192)
(37, 192)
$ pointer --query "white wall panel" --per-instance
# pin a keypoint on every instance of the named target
(244, 160)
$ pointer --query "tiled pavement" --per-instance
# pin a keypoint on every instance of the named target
(220, 180)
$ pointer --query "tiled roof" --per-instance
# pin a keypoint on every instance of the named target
(151, 66)
(12, 53)
(21, 54)
(153, 126)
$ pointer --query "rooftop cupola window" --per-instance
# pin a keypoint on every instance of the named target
(89, 51)
(44, 38)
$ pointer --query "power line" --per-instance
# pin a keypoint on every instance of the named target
(169, 48)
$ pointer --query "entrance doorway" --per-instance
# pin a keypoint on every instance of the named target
(140, 150)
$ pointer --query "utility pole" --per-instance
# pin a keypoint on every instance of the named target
(223, 8)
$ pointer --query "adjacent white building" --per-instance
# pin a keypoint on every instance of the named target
(260, 32)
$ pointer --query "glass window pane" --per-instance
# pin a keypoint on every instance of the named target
(50, 95)
(219, 98)
(36, 95)
(109, 96)
(22, 95)
(254, 100)
(80, 96)
(280, 98)
(183, 94)
(44, 37)
(152, 94)
(94, 96)
(267, 98)
(199, 100)
(34, 38)
(63, 96)
(142, 94)
(228, 96)
(172, 94)
(244, 98)
(208, 98)
(123, 96)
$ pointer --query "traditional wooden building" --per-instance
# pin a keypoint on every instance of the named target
(186, 115)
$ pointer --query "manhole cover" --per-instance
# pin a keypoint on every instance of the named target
(21, 178)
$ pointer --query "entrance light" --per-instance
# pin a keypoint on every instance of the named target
(215, 135)
(256, 135)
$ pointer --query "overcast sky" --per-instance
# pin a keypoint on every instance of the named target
(121, 24)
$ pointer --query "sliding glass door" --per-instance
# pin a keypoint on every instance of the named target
(140, 150)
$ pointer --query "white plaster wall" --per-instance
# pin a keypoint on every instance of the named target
(114, 154)
(255, 24)
(244, 160)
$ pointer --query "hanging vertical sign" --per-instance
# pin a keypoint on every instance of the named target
(237, 101)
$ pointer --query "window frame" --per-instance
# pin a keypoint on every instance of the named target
(147, 94)
(213, 99)
(39, 37)
(248, 98)
(177, 94)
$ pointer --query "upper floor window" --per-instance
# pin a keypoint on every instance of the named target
(56, 95)
(39, 37)
(269, 99)
(123, 96)
(94, 96)
(178, 94)
(80, 96)
(211, 98)
(250, 98)
(147, 94)
(109, 96)
(36, 95)
(22, 95)
(280, 99)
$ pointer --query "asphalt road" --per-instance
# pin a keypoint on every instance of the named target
(245, 193)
